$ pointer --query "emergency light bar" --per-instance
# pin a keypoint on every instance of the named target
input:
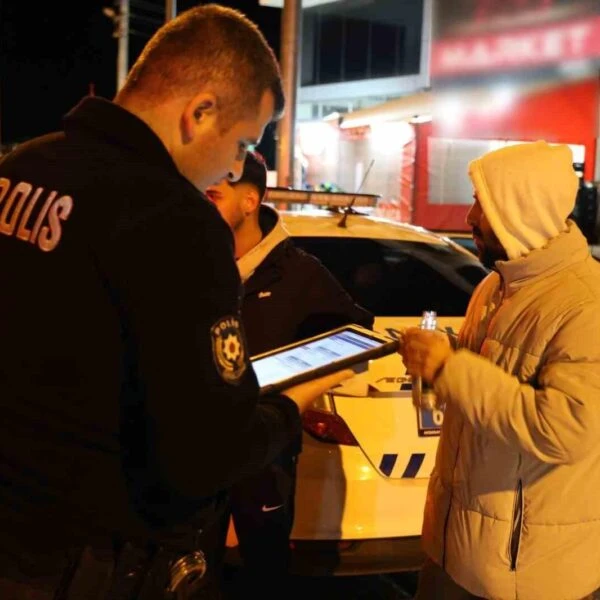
(279, 195)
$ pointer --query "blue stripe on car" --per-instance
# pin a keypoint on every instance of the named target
(413, 466)
(388, 461)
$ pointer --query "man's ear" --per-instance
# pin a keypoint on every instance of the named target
(251, 201)
(201, 109)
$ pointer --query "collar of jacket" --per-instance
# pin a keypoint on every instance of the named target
(248, 263)
(108, 120)
(564, 250)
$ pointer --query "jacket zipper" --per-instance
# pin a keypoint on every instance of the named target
(517, 522)
(445, 534)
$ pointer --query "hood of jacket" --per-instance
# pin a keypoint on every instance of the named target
(274, 233)
(527, 192)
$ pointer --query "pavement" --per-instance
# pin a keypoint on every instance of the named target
(394, 586)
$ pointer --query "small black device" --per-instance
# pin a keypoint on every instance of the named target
(319, 355)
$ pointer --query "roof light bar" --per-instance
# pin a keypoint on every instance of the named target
(292, 196)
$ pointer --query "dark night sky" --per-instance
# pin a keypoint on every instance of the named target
(50, 53)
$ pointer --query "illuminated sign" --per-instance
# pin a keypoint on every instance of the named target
(532, 47)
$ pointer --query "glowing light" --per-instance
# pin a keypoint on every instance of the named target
(316, 137)
(334, 116)
(502, 98)
(421, 119)
(450, 112)
(391, 137)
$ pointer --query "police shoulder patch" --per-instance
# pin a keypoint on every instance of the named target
(229, 349)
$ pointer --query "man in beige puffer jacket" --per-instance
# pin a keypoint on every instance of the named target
(513, 506)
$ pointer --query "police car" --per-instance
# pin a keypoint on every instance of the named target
(367, 450)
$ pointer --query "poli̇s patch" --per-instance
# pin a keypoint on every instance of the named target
(229, 349)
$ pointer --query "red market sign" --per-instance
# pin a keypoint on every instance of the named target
(525, 48)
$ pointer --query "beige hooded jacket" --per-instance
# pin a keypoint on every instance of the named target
(513, 506)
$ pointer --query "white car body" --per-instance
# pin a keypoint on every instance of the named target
(359, 508)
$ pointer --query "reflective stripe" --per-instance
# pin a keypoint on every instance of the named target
(388, 461)
(413, 466)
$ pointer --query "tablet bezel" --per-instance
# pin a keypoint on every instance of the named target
(388, 346)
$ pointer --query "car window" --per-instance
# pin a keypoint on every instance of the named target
(466, 243)
(396, 278)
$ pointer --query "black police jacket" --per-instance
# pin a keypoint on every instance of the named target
(126, 394)
(291, 295)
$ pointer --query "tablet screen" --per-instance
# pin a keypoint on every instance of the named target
(310, 356)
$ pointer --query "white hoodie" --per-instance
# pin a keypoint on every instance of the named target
(527, 192)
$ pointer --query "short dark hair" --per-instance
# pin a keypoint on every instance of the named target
(211, 46)
(255, 173)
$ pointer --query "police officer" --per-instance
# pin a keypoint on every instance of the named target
(288, 295)
(128, 402)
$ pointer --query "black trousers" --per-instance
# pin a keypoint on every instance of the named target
(109, 570)
(436, 584)
(262, 508)
(14, 590)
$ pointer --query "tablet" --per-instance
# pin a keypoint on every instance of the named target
(320, 355)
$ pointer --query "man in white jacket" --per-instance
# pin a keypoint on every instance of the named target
(512, 509)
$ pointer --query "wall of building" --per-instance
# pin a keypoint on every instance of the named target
(377, 159)
(566, 113)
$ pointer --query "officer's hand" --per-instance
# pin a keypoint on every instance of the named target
(424, 352)
(306, 393)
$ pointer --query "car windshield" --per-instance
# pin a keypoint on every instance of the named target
(399, 278)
